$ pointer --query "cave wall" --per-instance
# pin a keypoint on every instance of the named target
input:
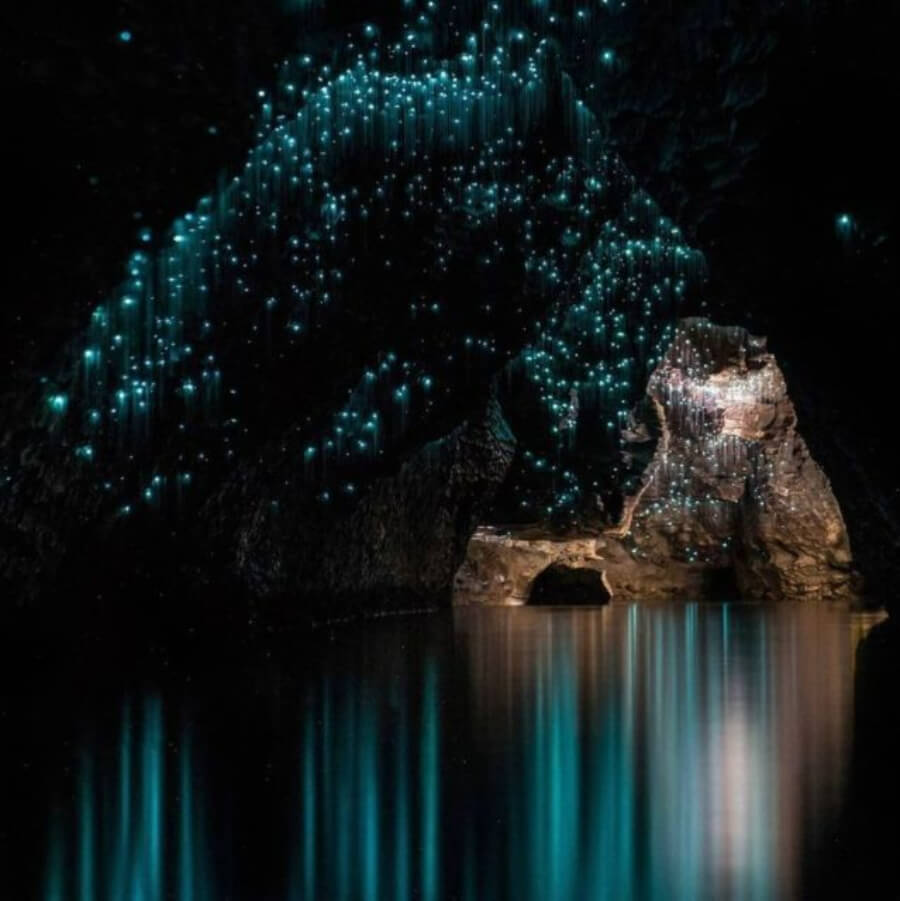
(732, 125)
(398, 548)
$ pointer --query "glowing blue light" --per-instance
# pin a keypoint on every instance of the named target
(58, 403)
(440, 121)
(844, 225)
(125, 36)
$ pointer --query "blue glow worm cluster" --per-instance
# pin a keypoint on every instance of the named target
(602, 340)
(490, 142)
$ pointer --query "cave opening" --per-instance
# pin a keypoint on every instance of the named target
(559, 585)
(720, 584)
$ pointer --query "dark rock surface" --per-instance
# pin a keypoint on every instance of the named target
(256, 548)
(46, 514)
(255, 554)
(398, 548)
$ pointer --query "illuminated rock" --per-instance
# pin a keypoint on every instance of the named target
(732, 482)
(502, 566)
(502, 569)
(731, 502)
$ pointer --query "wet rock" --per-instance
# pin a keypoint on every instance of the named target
(730, 502)
(732, 482)
(501, 568)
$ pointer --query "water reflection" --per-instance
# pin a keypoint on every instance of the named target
(628, 752)
(663, 752)
(123, 818)
(370, 793)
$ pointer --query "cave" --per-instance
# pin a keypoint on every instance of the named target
(720, 584)
(396, 397)
(573, 586)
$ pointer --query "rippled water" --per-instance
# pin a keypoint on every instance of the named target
(680, 752)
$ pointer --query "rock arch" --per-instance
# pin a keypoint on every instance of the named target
(563, 585)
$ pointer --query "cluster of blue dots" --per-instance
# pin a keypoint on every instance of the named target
(461, 137)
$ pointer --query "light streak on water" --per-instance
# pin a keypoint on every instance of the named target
(430, 787)
(361, 773)
(687, 752)
(118, 838)
(677, 753)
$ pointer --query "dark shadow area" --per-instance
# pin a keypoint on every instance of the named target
(561, 585)
(196, 716)
(720, 584)
(863, 862)
(873, 814)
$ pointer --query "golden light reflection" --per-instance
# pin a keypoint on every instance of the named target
(685, 752)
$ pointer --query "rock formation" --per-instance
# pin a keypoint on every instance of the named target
(562, 584)
(398, 548)
(730, 503)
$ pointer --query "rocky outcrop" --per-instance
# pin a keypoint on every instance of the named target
(502, 567)
(731, 500)
(397, 548)
(49, 509)
(259, 539)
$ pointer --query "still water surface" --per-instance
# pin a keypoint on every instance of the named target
(644, 752)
